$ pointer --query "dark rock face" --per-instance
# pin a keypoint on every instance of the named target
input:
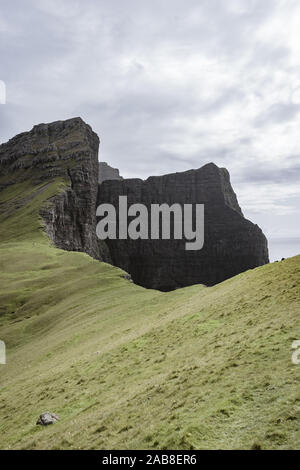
(66, 150)
(106, 172)
(70, 222)
(232, 243)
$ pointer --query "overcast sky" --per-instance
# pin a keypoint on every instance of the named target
(169, 85)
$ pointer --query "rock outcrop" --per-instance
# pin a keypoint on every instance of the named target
(47, 418)
(106, 172)
(66, 151)
(232, 243)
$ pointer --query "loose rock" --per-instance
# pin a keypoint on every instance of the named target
(47, 418)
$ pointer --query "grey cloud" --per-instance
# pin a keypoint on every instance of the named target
(267, 174)
(284, 247)
(278, 113)
(287, 240)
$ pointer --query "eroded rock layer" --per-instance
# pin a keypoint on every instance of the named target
(66, 150)
(106, 172)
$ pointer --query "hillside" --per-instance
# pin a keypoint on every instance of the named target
(125, 367)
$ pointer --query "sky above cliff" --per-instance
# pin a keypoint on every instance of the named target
(168, 86)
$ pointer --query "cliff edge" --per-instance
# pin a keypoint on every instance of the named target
(65, 151)
(232, 243)
(55, 167)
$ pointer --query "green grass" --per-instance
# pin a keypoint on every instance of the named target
(130, 368)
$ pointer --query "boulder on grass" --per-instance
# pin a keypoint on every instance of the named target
(47, 418)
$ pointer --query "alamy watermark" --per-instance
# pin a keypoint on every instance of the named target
(296, 353)
(2, 352)
(160, 219)
(2, 92)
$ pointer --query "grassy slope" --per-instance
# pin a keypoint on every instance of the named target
(126, 367)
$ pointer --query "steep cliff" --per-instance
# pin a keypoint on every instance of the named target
(232, 243)
(106, 172)
(65, 151)
(55, 168)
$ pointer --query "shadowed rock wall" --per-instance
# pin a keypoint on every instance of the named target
(232, 243)
(68, 151)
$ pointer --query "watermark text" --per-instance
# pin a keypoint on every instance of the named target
(162, 222)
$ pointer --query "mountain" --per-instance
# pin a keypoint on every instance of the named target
(66, 153)
(60, 158)
(126, 367)
(232, 244)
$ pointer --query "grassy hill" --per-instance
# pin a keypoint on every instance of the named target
(125, 367)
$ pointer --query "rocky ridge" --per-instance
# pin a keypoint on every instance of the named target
(232, 243)
(106, 172)
(66, 150)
